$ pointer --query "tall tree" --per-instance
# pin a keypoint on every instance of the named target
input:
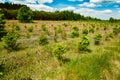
(2, 25)
(25, 15)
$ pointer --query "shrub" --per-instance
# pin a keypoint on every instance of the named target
(63, 35)
(2, 25)
(30, 29)
(105, 27)
(16, 27)
(43, 40)
(75, 28)
(74, 34)
(116, 30)
(10, 40)
(84, 31)
(97, 28)
(43, 27)
(97, 39)
(93, 26)
(91, 30)
(55, 34)
(25, 15)
(28, 35)
(83, 44)
(58, 29)
(65, 25)
(108, 36)
(1, 69)
(58, 52)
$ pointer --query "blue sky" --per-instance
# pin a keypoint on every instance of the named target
(103, 9)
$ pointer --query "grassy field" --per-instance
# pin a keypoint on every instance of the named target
(36, 62)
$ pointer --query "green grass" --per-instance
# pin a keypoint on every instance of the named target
(99, 65)
(36, 62)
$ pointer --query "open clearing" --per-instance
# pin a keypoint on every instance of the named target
(36, 62)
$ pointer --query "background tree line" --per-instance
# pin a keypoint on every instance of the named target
(10, 11)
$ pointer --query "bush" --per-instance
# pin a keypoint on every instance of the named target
(108, 36)
(83, 44)
(30, 29)
(25, 15)
(105, 27)
(58, 52)
(10, 40)
(28, 35)
(91, 30)
(43, 40)
(16, 27)
(97, 39)
(63, 35)
(1, 70)
(75, 28)
(2, 25)
(43, 27)
(74, 34)
(116, 30)
(55, 34)
(84, 31)
(58, 29)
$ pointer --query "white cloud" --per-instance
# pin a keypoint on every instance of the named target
(75, 0)
(86, 4)
(41, 7)
(119, 11)
(105, 14)
(45, 1)
(32, 4)
(108, 11)
(96, 1)
(105, 1)
(70, 8)
(32, 1)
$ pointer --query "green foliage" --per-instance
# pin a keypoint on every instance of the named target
(2, 25)
(1, 70)
(113, 20)
(55, 34)
(109, 35)
(10, 40)
(65, 25)
(75, 28)
(91, 30)
(43, 40)
(116, 30)
(83, 44)
(74, 34)
(58, 29)
(88, 67)
(28, 35)
(25, 15)
(16, 27)
(97, 38)
(43, 27)
(58, 52)
(30, 29)
(64, 35)
(105, 27)
(84, 31)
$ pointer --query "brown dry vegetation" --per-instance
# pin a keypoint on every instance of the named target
(36, 62)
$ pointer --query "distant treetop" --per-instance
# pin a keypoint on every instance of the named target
(11, 6)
